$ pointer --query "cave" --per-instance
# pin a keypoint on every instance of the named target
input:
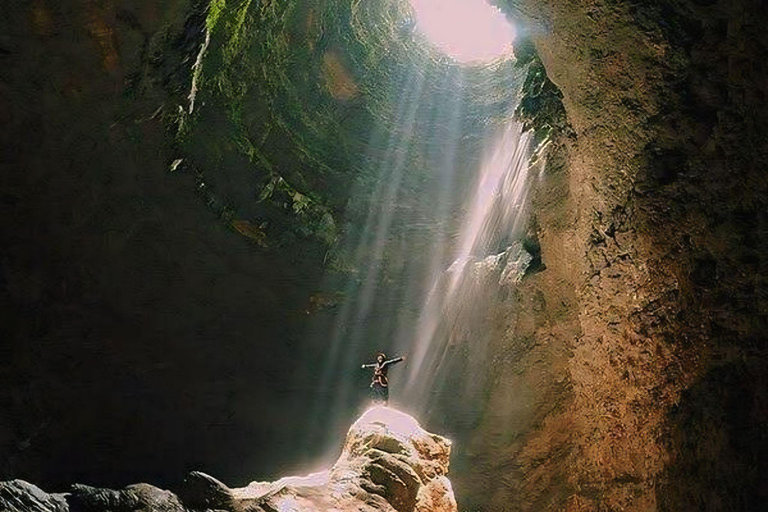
(214, 212)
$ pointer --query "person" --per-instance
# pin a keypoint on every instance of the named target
(380, 383)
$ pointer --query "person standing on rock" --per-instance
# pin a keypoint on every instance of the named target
(380, 384)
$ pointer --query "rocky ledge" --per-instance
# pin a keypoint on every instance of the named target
(389, 463)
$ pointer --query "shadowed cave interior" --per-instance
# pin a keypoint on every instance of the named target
(212, 213)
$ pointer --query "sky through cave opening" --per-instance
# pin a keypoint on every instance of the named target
(469, 31)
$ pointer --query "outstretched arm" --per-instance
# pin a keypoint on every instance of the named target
(372, 365)
(393, 361)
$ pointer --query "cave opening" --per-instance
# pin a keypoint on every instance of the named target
(471, 31)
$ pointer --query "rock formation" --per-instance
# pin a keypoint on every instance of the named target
(388, 463)
(630, 374)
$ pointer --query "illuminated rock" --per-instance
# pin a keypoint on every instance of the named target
(388, 464)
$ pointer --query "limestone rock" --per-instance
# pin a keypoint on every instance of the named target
(204, 492)
(134, 498)
(437, 495)
(388, 464)
(20, 496)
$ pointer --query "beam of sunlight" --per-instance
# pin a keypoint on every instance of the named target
(494, 217)
(351, 329)
(466, 30)
(397, 150)
(377, 221)
(440, 207)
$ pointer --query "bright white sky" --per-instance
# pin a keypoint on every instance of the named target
(467, 30)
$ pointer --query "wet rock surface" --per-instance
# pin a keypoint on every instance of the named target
(137, 497)
(388, 463)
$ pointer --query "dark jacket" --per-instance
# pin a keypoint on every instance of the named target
(380, 371)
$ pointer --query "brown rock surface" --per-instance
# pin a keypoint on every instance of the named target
(629, 375)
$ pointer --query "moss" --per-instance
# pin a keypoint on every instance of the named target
(289, 97)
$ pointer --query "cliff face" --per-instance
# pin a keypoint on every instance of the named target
(388, 463)
(121, 289)
(642, 343)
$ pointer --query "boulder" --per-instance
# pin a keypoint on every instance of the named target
(134, 498)
(388, 463)
(20, 496)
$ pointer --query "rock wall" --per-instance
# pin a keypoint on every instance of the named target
(121, 289)
(639, 352)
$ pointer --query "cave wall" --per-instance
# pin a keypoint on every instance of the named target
(141, 335)
(652, 224)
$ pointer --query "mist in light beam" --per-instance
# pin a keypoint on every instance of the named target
(447, 192)
(494, 217)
